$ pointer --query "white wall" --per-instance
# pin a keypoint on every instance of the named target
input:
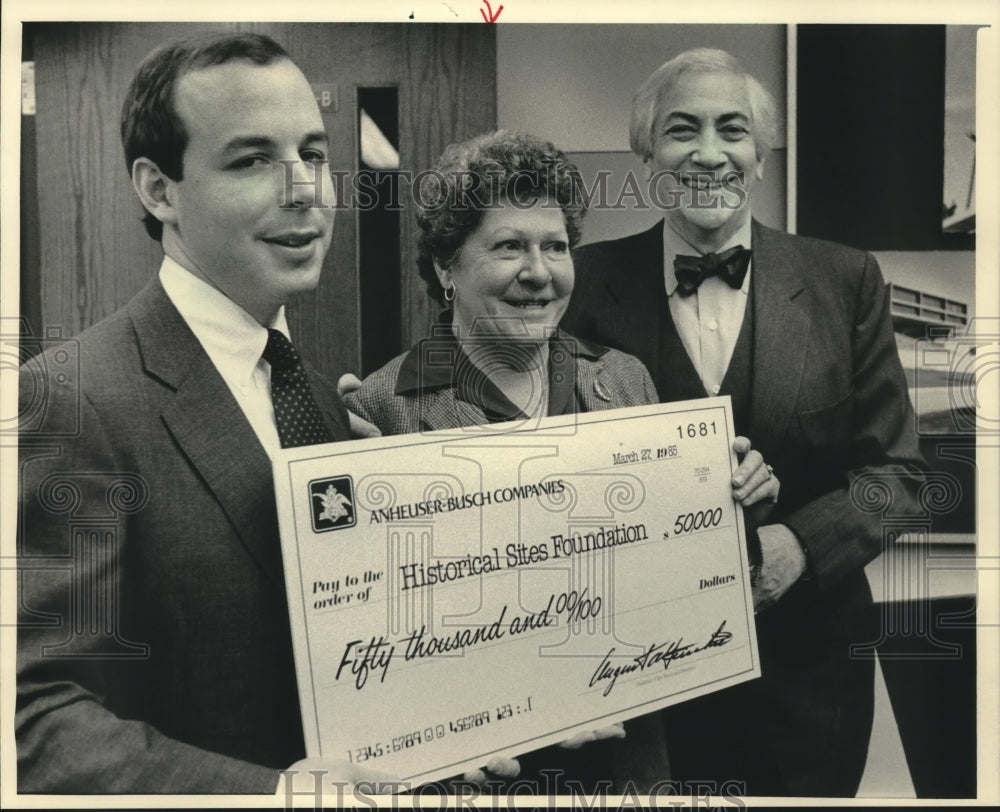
(573, 85)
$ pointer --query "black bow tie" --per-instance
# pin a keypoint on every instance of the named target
(730, 265)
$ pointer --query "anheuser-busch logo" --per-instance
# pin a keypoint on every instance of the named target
(332, 503)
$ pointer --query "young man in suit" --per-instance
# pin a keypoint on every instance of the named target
(798, 333)
(154, 647)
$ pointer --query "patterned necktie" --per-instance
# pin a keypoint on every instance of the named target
(730, 265)
(299, 419)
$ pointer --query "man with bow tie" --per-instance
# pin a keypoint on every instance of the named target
(798, 333)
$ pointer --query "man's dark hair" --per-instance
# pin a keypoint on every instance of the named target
(150, 125)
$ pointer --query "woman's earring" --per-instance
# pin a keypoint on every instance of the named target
(451, 290)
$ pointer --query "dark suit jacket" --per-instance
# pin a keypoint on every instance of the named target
(154, 652)
(829, 409)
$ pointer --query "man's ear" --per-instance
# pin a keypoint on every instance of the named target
(156, 191)
(759, 169)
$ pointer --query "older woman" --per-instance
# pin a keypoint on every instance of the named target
(498, 217)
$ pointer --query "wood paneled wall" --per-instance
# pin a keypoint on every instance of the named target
(93, 252)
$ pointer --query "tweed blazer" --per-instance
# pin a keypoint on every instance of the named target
(604, 379)
(154, 650)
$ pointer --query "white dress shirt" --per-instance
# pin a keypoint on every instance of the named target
(709, 320)
(234, 342)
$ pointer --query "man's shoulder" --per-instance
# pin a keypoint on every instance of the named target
(56, 383)
(101, 348)
(826, 268)
(611, 264)
(103, 364)
(97, 348)
(807, 246)
(596, 254)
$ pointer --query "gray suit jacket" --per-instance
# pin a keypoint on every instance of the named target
(154, 652)
(829, 410)
(829, 401)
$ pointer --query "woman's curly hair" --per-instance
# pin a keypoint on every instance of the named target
(484, 172)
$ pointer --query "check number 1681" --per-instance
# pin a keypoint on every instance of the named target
(696, 430)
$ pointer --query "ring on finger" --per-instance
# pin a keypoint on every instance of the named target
(770, 470)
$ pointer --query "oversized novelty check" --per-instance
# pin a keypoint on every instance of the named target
(461, 594)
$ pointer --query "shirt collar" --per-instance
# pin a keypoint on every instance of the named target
(230, 336)
(674, 244)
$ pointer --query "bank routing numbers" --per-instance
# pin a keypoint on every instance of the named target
(429, 734)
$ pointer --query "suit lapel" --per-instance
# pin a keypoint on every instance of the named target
(781, 337)
(636, 295)
(440, 409)
(209, 426)
(644, 326)
(330, 404)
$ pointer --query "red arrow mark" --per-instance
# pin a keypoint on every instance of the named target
(492, 18)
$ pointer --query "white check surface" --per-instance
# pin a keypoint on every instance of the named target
(462, 594)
